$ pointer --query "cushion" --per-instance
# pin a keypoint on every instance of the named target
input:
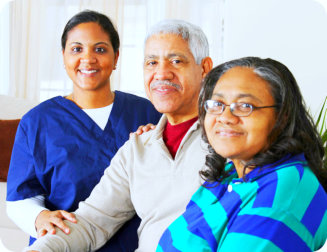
(7, 137)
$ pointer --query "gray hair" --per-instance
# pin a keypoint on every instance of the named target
(191, 33)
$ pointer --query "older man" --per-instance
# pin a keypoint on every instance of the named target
(155, 174)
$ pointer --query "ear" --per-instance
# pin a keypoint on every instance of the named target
(63, 58)
(116, 57)
(206, 65)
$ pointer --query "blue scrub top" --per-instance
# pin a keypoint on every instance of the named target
(61, 153)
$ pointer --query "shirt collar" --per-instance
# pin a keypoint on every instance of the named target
(261, 171)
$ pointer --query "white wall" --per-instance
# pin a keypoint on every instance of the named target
(291, 31)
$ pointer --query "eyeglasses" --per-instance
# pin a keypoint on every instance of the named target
(236, 108)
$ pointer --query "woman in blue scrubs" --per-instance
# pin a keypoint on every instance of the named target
(63, 145)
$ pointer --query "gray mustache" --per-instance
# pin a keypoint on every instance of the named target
(164, 82)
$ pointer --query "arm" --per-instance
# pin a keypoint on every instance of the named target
(29, 213)
(24, 212)
(266, 230)
(83, 237)
(32, 217)
(101, 215)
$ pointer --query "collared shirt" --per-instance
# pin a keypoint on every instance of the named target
(143, 178)
(279, 207)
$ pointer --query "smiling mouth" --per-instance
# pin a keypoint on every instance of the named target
(84, 71)
(164, 88)
(228, 133)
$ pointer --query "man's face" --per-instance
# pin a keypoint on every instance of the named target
(172, 78)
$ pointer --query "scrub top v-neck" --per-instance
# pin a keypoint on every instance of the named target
(61, 153)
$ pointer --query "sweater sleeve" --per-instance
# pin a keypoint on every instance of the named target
(108, 207)
(24, 212)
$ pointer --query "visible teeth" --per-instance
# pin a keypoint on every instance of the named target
(88, 71)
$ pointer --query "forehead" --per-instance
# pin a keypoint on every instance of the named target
(240, 81)
(87, 31)
(163, 44)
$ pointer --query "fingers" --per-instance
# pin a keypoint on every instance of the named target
(46, 228)
(68, 216)
(60, 224)
(139, 130)
(48, 220)
(41, 232)
(145, 128)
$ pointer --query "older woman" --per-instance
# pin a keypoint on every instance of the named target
(270, 195)
(63, 146)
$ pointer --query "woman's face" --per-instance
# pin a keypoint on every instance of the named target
(89, 57)
(240, 138)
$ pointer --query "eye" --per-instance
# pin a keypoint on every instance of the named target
(151, 63)
(244, 106)
(215, 104)
(77, 49)
(100, 50)
(218, 104)
(176, 61)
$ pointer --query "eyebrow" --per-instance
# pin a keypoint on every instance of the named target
(96, 44)
(170, 55)
(239, 96)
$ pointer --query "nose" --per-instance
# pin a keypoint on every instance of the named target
(226, 117)
(163, 72)
(88, 57)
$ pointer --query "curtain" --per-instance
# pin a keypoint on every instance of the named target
(35, 70)
(35, 53)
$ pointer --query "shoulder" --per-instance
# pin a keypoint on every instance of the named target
(294, 174)
(41, 113)
(295, 189)
(130, 111)
(42, 108)
(132, 100)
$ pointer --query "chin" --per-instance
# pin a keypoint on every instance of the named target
(225, 150)
(163, 107)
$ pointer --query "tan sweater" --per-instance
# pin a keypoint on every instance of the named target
(142, 178)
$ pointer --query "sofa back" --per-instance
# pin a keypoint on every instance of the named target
(7, 137)
(11, 110)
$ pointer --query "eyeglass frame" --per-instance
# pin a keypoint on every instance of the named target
(232, 107)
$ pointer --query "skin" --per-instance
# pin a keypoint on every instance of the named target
(89, 60)
(88, 47)
(176, 67)
(168, 58)
(240, 138)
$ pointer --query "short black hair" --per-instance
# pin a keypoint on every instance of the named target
(87, 16)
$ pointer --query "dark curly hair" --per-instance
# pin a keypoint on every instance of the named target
(87, 16)
(293, 133)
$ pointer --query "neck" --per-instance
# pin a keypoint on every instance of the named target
(177, 119)
(239, 166)
(92, 98)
